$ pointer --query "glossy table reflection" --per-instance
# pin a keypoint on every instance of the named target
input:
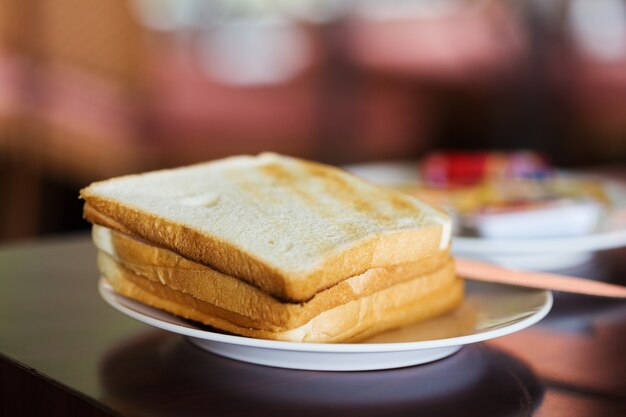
(64, 351)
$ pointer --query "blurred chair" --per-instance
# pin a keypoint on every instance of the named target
(72, 85)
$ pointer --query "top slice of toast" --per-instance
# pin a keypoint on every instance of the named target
(288, 226)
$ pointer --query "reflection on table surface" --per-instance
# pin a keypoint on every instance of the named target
(164, 366)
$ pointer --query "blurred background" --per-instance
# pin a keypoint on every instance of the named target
(94, 89)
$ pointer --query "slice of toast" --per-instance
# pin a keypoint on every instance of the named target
(285, 225)
(118, 251)
(395, 306)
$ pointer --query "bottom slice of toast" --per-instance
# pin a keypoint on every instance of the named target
(418, 299)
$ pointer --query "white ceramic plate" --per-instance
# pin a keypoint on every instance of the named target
(488, 311)
(544, 253)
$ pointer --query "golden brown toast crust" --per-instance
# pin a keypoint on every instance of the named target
(163, 266)
(395, 306)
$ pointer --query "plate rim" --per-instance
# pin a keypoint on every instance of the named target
(111, 297)
(573, 244)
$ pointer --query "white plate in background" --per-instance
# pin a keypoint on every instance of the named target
(488, 311)
(541, 253)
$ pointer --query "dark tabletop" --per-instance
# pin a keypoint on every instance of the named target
(63, 351)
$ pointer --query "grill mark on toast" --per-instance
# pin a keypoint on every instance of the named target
(400, 203)
(336, 188)
(339, 188)
(286, 178)
(342, 190)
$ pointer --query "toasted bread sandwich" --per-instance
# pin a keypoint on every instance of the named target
(274, 247)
